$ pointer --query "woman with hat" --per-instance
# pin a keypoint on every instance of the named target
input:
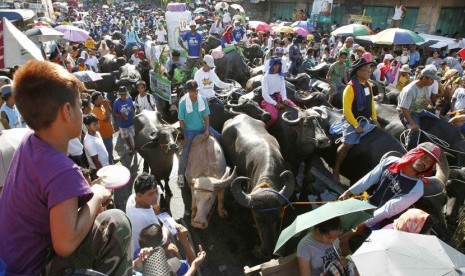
(404, 77)
(358, 111)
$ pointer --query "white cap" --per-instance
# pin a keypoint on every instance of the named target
(388, 57)
(208, 59)
(192, 23)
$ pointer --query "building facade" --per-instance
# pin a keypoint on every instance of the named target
(423, 16)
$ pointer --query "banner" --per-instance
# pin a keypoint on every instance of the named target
(321, 11)
(161, 86)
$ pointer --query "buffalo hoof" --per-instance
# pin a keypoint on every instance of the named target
(223, 213)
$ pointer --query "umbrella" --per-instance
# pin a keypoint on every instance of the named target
(395, 36)
(259, 26)
(301, 31)
(43, 34)
(351, 212)
(9, 139)
(221, 5)
(284, 23)
(352, 30)
(237, 7)
(200, 10)
(73, 33)
(283, 29)
(392, 252)
(87, 76)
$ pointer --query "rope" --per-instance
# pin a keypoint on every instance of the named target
(434, 139)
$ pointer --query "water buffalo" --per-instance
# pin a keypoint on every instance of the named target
(207, 175)
(319, 71)
(210, 42)
(109, 63)
(389, 119)
(156, 143)
(232, 66)
(371, 148)
(256, 153)
(252, 52)
(119, 46)
(129, 75)
(455, 189)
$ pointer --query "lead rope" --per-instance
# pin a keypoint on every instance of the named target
(434, 139)
(359, 119)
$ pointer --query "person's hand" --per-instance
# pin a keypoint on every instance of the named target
(414, 127)
(279, 106)
(362, 229)
(182, 232)
(106, 103)
(285, 103)
(377, 124)
(200, 257)
(359, 129)
(144, 253)
(345, 195)
(172, 250)
(101, 192)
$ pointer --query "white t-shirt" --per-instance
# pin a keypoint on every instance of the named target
(317, 253)
(459, 96)
(75, 147)
(434, 88)
(226, 18)
(142, 103)
(139, 218)
(160, 35)
(94, 146)
(206, 81)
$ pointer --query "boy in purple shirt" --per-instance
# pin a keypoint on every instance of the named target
(49, 215)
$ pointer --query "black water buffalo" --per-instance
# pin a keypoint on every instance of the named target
(455, 189)
(252, 52)
(119, 46)
(319, 71)
(363, 157)
(210, 42)
(156, 143)
(128, 77)
(389, 119)
(232, 66)
(257, 156)
(109, 63)
(257, 71)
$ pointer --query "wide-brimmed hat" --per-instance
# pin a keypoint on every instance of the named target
(208, 59)
(405, 69)
(430, 73)
(192, 23)
(359, 63)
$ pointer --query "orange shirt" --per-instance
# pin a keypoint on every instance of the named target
(106, 127)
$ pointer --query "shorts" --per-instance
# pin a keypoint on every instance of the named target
(127, 132)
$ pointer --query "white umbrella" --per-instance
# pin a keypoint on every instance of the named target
(43, 34)
(397, 253)
(9, 139)
(237, 6)
(221, 5)
(73, 33)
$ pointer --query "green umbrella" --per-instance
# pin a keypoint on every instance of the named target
(351, 211)
(200, 10)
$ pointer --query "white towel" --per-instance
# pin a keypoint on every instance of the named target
(200, 101)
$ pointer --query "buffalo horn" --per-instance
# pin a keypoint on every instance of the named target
(225, 180)
(241, 197)
(290, 122)
(229, 104)
(288, 189)
(234, 112)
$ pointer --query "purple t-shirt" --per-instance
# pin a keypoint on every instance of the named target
(39, 178)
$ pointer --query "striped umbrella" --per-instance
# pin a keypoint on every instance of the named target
(352, 30)
(397, 36)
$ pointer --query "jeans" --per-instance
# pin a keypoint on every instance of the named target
(108, 142)
(190, 134)
(412, 139)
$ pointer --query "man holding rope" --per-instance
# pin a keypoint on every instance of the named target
(358, 110)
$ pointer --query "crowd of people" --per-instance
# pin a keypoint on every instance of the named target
(73, 132)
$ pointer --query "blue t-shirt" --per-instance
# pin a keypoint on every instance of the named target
(124, 107)
(193, 43)
(238, 34)
(194, 119)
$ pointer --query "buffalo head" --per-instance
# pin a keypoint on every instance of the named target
(265, 202)
(250, 108)
(204, 192)
(309, 131)
(166, 138)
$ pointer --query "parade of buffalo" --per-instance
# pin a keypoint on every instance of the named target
(139, 150)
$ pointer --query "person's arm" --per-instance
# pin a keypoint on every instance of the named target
(216, 81)
(70, 225)
(154, 103)
(96, 162)
(396, 205)
(304, 267)
(200, 47)
(348, 99)
(452, 103)
(181, 42)
(374, 115)
(206, 121)
(108, 110)
(283, 90)
(197, 262)
(4, 120)
(408, 117)
(265, 88)
(344, 76)
(329, 74)
(184, 239)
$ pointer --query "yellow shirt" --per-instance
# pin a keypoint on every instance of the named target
(348, 99)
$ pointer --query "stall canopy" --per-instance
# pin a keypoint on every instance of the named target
(15, 47)
(16, 15)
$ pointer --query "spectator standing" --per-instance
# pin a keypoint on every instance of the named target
(9, 114)
(399, 13)
(102, 110)
(123, 109)
(96, 153)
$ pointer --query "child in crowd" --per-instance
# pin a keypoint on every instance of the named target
(144, 101)
(96, 153)
(123, 109)
(53, 224)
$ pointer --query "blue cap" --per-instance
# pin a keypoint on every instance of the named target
(279, 50)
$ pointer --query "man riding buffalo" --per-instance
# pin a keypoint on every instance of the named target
(358, 109)
(206, 78)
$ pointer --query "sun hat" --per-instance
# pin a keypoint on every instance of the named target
(430, 73)
(192, 23)
(405, 69)
(208, 59)
(359, 63)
